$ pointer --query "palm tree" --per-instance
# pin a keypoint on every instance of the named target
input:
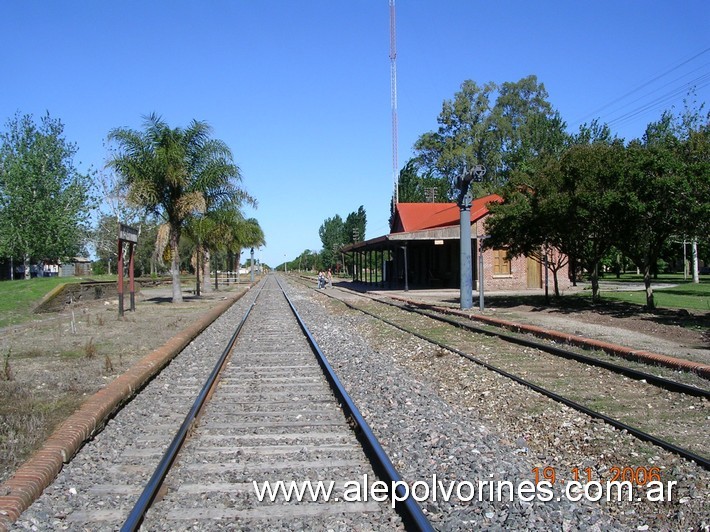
(242, 233)
(210, 231)
(175, 173)
(199, 228)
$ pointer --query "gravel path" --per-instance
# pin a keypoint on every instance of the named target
(689, 348)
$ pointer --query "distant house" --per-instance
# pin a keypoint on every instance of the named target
(424, 240)
(76, 267)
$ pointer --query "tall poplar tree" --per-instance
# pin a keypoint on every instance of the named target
(45, 202)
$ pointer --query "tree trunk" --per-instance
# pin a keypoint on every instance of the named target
(197, 271)
(175, 269)
(556, 282)
(650, 303)
(573, 267)
(206, 285)
(594, 278)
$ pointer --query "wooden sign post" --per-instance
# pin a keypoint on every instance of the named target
(128, 235)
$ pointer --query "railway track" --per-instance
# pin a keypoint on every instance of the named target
(445, 423)
(271, 441)
(275, 416)
(667, 413)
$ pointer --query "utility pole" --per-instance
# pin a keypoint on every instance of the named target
(464, 201)
(252, 265)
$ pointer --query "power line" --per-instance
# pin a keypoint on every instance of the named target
(662, 101)
(642, 86)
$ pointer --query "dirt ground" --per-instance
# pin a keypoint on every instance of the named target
(679, 333)
(49, 366)
(676, 333)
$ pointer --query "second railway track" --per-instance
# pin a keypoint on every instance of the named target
(667, 413)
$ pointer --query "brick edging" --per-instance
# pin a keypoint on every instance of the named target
(613, 349)
(32, 477)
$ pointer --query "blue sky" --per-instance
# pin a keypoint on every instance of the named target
(300, 90)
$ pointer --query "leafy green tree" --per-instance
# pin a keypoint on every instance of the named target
(661, 196)
(464, 136)
(45, 202)
(573, 203)
(527, 126)
(354, 226)
(307, 260)
(693, 129)
(354, 229)
(147, 257)
(594, 132)
(591, 204)
(104, 240)
(415, 188)
(527, 223)
(331, 234)
(175, 173)
(502, 127)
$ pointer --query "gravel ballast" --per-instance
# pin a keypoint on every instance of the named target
(436, 415)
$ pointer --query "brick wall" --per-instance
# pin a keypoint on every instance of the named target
(66, 294)
(518, 277)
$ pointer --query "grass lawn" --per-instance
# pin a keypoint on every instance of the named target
(18, 298)
(685, 295)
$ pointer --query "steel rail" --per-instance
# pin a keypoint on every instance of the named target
(661, 382)
(650, 378)
(685, 453)
(135, 518)
(408, 509)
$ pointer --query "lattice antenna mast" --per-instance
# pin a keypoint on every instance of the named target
(393, 83)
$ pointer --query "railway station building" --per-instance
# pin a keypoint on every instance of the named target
(422, 251)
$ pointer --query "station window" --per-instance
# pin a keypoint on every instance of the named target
(501, 262)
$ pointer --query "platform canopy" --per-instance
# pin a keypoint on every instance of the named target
(422, 249)
(425, 221)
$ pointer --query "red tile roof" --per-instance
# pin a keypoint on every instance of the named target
(419, 216)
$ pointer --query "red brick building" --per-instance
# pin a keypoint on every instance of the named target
(423, 251)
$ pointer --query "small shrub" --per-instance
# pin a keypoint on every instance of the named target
(6, 368)
(108, 365)
(90, 349)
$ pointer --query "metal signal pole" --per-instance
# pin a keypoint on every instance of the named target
(464, 202)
